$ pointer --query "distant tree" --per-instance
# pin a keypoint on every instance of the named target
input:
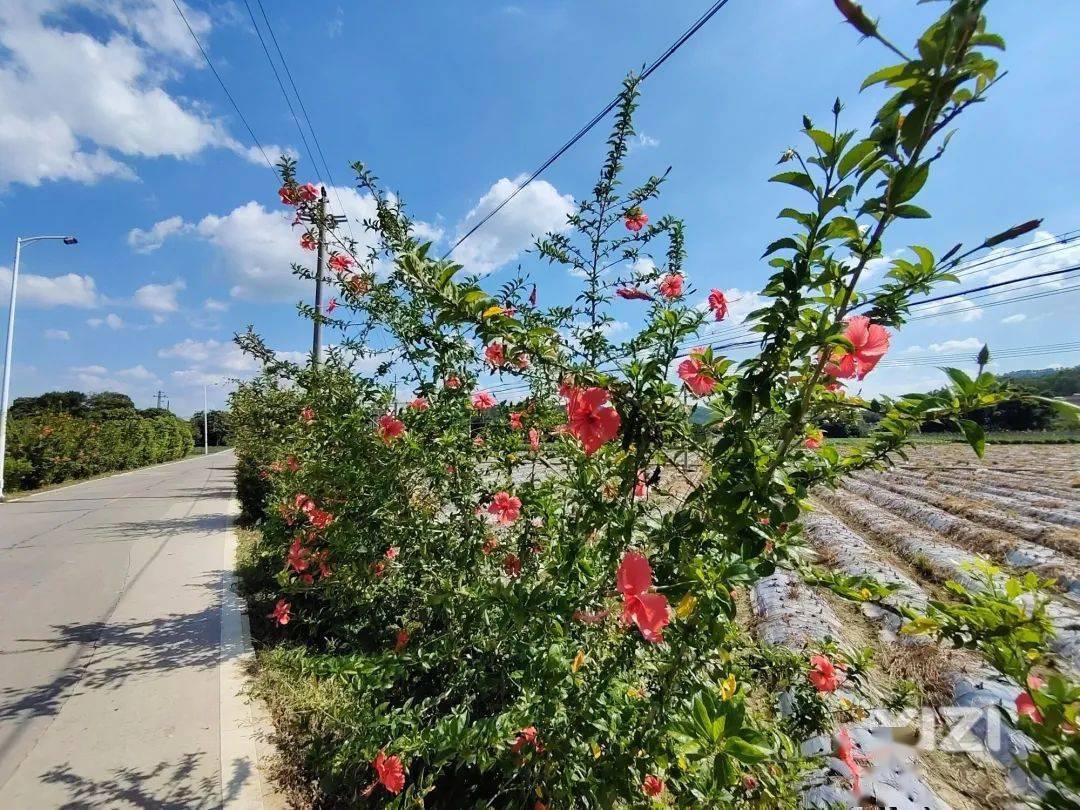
(109, 405)
(218, 428)
(71, 402)
(151, 412)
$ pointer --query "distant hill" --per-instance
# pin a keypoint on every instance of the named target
(1055, 382)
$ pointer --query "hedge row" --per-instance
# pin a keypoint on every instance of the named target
(51, 448)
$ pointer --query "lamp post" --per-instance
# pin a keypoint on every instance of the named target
(19, 242)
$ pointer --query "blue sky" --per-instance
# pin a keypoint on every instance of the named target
(112, 128)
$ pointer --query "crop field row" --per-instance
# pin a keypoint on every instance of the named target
(927, 521)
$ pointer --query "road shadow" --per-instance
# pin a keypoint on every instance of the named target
(162, 528)
(106, 654)
(184, 785)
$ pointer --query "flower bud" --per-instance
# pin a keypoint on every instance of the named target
(1012, 233)
(854, 14)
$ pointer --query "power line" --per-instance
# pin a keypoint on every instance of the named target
(596, 119)
(229, 95)
(304, 112)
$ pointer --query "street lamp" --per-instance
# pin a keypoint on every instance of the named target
(205, 412)
(19, 242)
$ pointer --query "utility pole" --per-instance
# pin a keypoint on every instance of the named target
(316, 342)
(205, 429)
(160, 395)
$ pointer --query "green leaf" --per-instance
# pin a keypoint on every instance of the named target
(786, 243)
(883, 75)
(798, 179)
(856, 155)
(746, 752)
(909, 211)
(975, 436)
(909, 182)
(1070, 412)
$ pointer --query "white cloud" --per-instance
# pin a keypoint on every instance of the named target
(139, 372)
(69, 290)
(112, 320)
(427, 232)
(159, 298)
(956, 345)
(538, 209)
(644, 141)
(75, 106)
(211, 354)
(213, 305)
(90, 370)
(1017, 318)
(150, 240)
(57, 334)
(1001, 265)
(958, 310)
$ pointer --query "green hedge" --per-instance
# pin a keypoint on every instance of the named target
(51, 448)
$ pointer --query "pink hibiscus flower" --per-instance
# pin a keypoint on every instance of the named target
(482, 400)
(1025, 703)
(307, 241)
(331, 306)
(653, 785)
(824, 675)
(505, 507)
(340, 262)
(390, 428)
(697, 376)
(307, 192)
(515, 420)
(591, 420)
(419, 404)
(632, 293)
(718, 304)
(636, 219)
(671, 286)
(390, 773)
(649, 611)
(495, 353)
(534, 439)
(870, 341)
(282, 612)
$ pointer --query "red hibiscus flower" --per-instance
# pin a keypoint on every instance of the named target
(307, 414)
(641, 489)
(453, 382)
(1025, 703)
(718, 304)
(307, 241)
(321, 559)
(331, 306)
(391, 553)
(870, 341)
(512, 565)
(631, 293)
(534, 439)
(526, 737)
(813, 440)
(649, 611)
(390, 773)
(505, 507)
(400, 640)
(419, 404)
(697, 376)
(635, 219)
(515, 420)
(307, 192)
(591, 420)
(653, 785)
(482, 400)
(297, 558)
(287, 195)
(340, 262)
(824, 675)
(671, 286)
(282, 612)
(495, 354)
(390, 428)
(319, 518)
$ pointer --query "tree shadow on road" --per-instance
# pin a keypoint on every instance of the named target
(177, 786)
(106, 654)
(162, 528)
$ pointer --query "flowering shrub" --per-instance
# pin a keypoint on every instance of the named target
(536, 606)
(51, 448)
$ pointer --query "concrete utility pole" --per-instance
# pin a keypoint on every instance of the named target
(316, 341)
(205, 423)
(9, 346)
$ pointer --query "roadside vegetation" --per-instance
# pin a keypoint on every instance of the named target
(68, 435)
(542, 603)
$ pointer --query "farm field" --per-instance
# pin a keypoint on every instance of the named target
(926, 521)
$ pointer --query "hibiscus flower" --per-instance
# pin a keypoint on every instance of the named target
(505, 507)
(636, 219)
(282, 612)
(453, 382)
(641, 489)
(671, 286)
(307, 192)
(718, 304)
(697, 376)
(512, 565)
(419, 404)
(340, 262)
(632, 293)
(307, 241)
(331, 306)
(591, 420)
(814, 438)
(1025, 703)
(649, 611)
(534, 439)
(526, 737)
(390, 773)
(297, 558)
(653, 785)
(400, 640)
(845, 752)
(495, 354)
(307, 414)
(390, 428)
(824, 675)
(482, 400)
(515, 420)
(870, 342)
(287, 195)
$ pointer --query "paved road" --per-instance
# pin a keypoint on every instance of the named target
(110, 638)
